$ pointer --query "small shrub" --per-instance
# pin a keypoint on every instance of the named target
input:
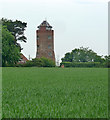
(38, 62)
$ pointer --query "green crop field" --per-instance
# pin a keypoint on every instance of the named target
(55, 92)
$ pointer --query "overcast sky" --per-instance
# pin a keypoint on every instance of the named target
(75, 23)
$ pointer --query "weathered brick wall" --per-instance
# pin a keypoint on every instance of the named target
(45, 43)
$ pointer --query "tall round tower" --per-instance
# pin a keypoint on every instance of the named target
(45, 41)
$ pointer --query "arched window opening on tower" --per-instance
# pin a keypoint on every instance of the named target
(37, 46)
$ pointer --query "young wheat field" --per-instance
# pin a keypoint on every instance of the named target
(54, 92)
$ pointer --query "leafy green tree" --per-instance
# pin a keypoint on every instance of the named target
(107, 60)
(0, 43)
(17, 29)
(68, 57)
(82, 55)
(10, 52)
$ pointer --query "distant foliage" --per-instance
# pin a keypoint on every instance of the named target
(17, 29)
(39, 62)
(84, 57)
(0, 43)
(10, 52)
(12, 32)
(107, 60)
(83, 64)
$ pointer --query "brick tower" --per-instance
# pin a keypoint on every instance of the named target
(45, 41)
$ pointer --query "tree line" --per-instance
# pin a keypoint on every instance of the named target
(13, 32)
(85, 57)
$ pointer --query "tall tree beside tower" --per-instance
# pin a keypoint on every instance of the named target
(10, 52)
(12, 32)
